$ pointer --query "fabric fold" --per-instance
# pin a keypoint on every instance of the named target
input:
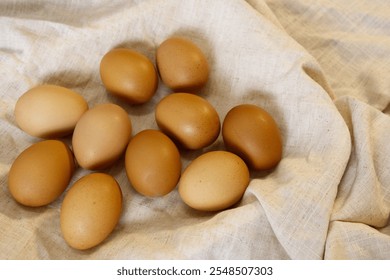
(324, 83)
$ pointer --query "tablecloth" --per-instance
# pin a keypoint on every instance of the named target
(320, 68)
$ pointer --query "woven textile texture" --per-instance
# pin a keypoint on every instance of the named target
(320, 68)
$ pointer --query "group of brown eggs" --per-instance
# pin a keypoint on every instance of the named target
(92, 206)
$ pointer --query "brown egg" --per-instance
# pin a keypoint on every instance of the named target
(101, 136)
(129, 75)
(214, 181)
(188, 119)
(153, 163)
(182, 65)
(90, 210)
(49, 111)
(252, 133)
(41, 173)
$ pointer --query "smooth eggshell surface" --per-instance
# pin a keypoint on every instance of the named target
(101, 136)
(214, 181)
(188, 119)
(49, 111)
(41, 173)
(182, 65)
(129, 75)
(90, 210)
(153, 164)
(252, 133)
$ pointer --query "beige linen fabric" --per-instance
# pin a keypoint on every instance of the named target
(320, 68)
(350, 39)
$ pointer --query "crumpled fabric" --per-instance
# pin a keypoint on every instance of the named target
(320, 68)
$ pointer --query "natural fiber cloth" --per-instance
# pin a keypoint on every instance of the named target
(320, 68)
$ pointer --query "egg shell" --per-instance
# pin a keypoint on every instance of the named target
(214, 181)
(129, 75)
(182, 65)
(153, 164)
(101, 136)
(41, 173)
(188, 119)
(90, 211)
(252, 133)
(49, 111)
